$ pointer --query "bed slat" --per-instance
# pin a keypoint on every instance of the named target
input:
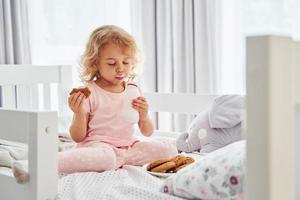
(23, 97)
(34, 97)
(47, 96)
(8, 96)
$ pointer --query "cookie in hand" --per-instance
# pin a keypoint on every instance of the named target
(84, 90)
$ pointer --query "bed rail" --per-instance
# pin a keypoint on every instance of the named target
(39, 130)
(36, 92)
(174, 102)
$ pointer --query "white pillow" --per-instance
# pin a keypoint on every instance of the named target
(218, 175)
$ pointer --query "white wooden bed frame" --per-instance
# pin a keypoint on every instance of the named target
(272, 100)
(39, 128)
(273, 124)
(21, 121)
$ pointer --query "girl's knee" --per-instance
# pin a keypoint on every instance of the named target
(87, 159)
(106, 159)
(108, 163)
(170, 150)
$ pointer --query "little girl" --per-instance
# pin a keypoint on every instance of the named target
(100, 125)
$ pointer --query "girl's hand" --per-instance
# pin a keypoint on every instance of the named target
(76, 102)
(145, 124)
(140, 104)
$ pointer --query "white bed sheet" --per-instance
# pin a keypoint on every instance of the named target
(130, 182)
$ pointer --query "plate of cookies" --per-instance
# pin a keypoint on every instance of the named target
(165, 167)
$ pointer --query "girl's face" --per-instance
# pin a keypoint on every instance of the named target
(114, 65)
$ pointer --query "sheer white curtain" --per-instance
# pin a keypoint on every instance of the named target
(191, 46)
(14, 41)
(204, 34)
(60, 29)
(199, 45)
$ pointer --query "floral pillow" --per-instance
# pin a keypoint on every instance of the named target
(218, 175)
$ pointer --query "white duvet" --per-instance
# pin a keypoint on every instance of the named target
(130, 182)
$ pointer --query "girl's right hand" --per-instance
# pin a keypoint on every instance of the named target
(76, 102)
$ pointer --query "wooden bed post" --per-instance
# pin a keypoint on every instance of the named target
(42, 154)
(38, 129)
(271, 92)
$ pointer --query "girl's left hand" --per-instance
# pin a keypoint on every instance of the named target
(140, 104)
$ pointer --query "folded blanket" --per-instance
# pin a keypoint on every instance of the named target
(12, 151)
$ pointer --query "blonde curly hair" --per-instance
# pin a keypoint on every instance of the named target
(97, 40)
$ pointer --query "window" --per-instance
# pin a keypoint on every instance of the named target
(60, 29)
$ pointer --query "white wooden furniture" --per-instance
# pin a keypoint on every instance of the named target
(39, 131)
(35, 87)
(21, 85)
(273, 97)
(39, 128)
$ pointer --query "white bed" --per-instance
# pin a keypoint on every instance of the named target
(272, 97)
(22, 121)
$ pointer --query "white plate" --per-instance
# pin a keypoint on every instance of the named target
(161, 175)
